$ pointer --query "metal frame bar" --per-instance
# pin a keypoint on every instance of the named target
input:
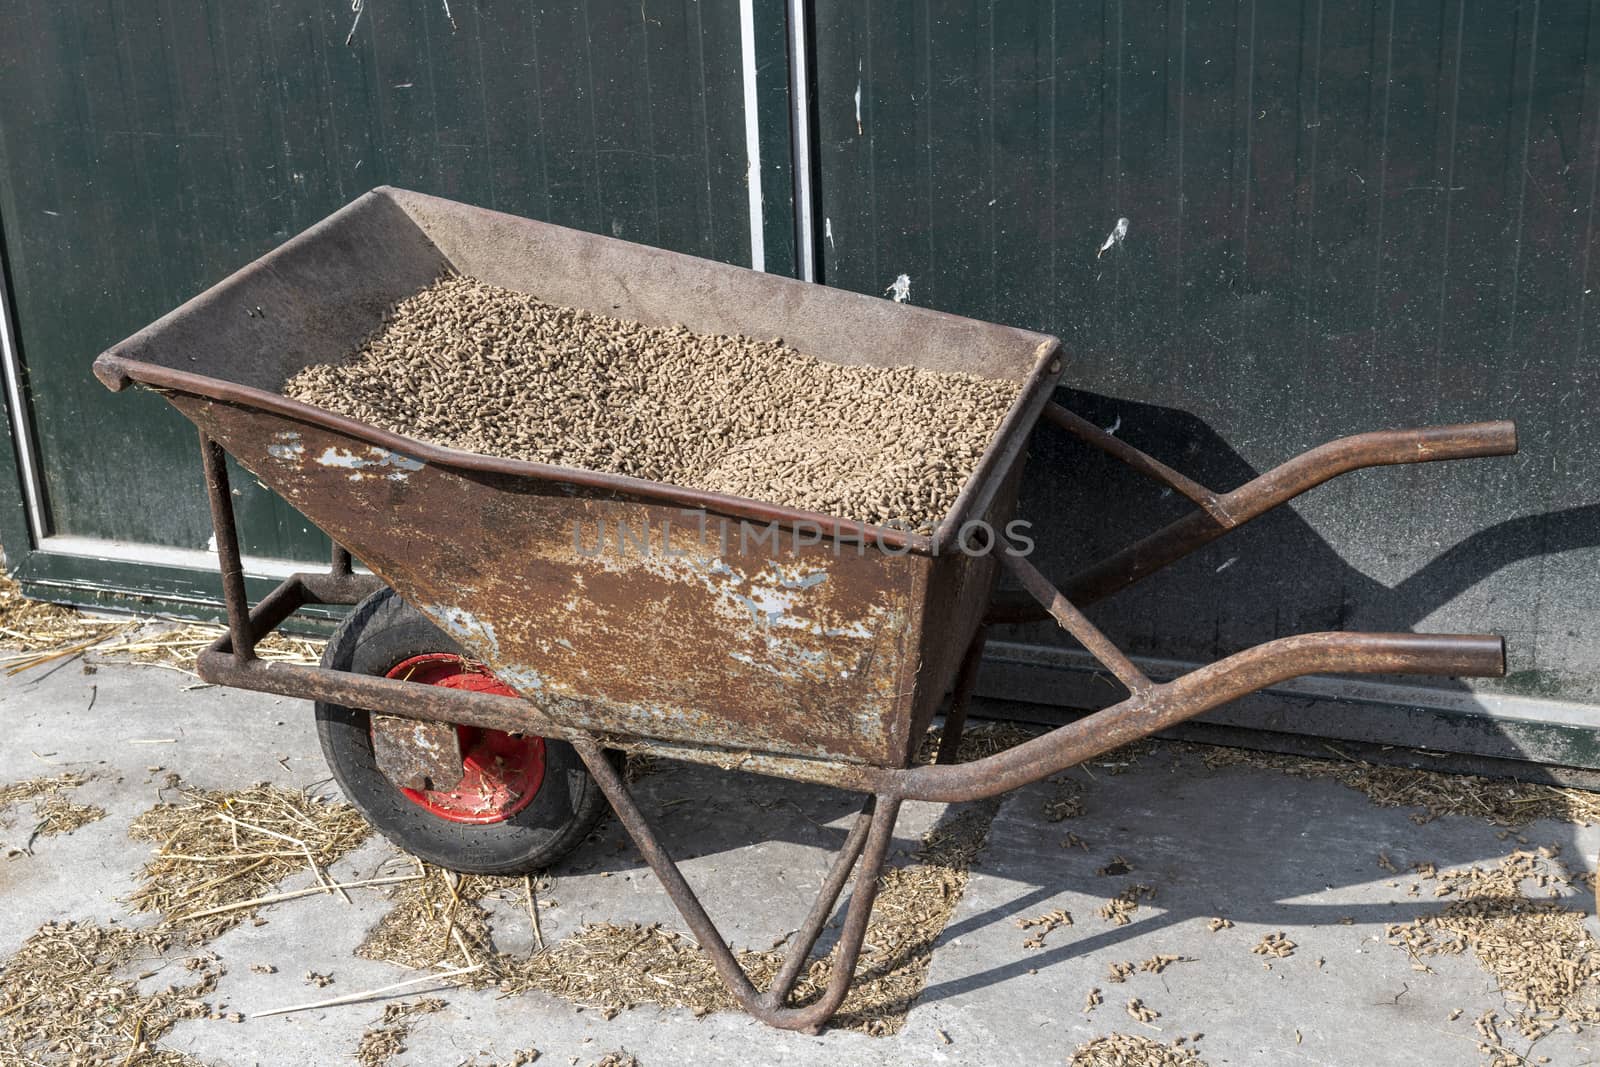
(869, 840)
(1149, 707)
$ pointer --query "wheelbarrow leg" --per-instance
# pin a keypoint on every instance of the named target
(869, 840)
(214, 462)
(955, 720)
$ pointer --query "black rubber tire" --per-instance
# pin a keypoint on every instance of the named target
(381, 632)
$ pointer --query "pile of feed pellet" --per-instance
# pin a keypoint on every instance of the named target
(1132, 1050)
(488, 370)
(1517, 918)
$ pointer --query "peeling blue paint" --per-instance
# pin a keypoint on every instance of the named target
(467, 628)
(288, 447)
(399, 467)
(804, 581)
(522, 679)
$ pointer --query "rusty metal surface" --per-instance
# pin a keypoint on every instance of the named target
(417, 754)
(794, 648)
(960, 588)
(1076, 623)
(1221, 512)
(1150, 708)
(815, 647)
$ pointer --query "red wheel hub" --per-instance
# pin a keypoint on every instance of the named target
(501, 772)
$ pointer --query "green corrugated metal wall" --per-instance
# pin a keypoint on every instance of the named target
(1341, 217)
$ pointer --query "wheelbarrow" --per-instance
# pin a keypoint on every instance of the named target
(519, 624)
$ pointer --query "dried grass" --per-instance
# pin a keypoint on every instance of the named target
(58, 815)
(34, 626)
(1543, 960)
(383, 1042)
(38, 787)
(1499, 801)
(610, 968)
(438, 920)
(1133, 1050)
(164, 645)
(40, 632)
(222, 848)
(65, 999)
(53, 812)
(65, 996)
(977, 741)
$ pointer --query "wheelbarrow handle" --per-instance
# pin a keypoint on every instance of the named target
(1471, 440)
(1158, 707)
(1221, 512)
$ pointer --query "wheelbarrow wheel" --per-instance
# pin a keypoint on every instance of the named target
(523, 802)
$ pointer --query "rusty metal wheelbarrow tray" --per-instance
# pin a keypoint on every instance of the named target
(731, 631)
(800, 648)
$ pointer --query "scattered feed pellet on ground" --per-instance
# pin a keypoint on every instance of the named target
(489, 370)
(1066, 800)
(1274, 944)
(1537, 949)
(1133, 1050)
(1157, 964)
(1142, 1011)
(1044, 924)
(1120, 908)
(387, 1039)
(519, 1058)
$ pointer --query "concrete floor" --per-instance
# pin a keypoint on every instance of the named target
(1267, 851)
